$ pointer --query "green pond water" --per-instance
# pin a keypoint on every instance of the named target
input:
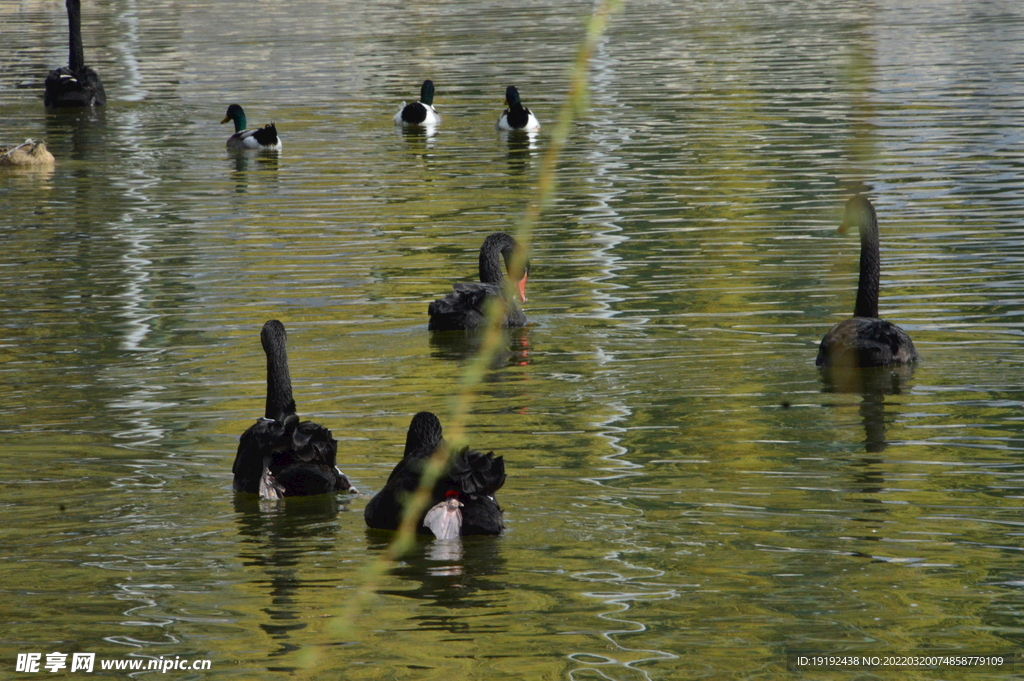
(687, 496)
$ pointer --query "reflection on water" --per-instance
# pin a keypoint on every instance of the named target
(461, 346)
(449, 552)
(27, 178)
(276, 539)
(623, 592)
(459, 574)
(418, 138)
(868, 473)
(522, 145)
(667, 518)
(872, 384)
(258, 169)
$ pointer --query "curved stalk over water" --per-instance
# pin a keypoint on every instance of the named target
(462, 400)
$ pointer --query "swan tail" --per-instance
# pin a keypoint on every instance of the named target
(445, 519)
(477, 473)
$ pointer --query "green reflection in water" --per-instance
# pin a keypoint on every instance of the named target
(667, 516)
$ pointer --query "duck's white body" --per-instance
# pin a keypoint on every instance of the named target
(245, 140)
(531, 122)
(431, 117)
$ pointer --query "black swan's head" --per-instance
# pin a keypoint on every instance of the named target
(504, 245)
(273, 336)
(424, 434)
(859, 213)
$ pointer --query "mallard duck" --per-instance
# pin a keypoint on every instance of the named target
(516, 116)
(279, 456)
(29, 153)
(464, 307)
(421, 112)
(75, 84)
(864, 340)
(463, 496)
(264, 139)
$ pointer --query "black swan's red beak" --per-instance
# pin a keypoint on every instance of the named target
(522, 287)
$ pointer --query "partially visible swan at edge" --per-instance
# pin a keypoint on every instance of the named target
(279, 456)
(75, 84)
(864, 340)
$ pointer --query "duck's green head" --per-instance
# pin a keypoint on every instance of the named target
(512, 96)
(235, 114)
(427, 92)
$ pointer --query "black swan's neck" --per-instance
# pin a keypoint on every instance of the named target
(870, 266)
(424, 434)
(280, 403)
(76, 54)
(497, 247)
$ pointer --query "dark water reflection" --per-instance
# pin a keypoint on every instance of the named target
(462, 346)
(275, 538)
(872, 385)
(667, 516)
(451, 574)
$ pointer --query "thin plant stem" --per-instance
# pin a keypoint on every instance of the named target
(462, 401)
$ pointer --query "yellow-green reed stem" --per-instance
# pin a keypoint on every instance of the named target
(575, 104)
(493, 334)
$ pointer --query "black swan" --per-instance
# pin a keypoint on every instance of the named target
(75, 84)
(463, 498)
(516, 116)
(263, 139)
(464, 307)
(864, 340)
(421, 112)
(279, 455)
